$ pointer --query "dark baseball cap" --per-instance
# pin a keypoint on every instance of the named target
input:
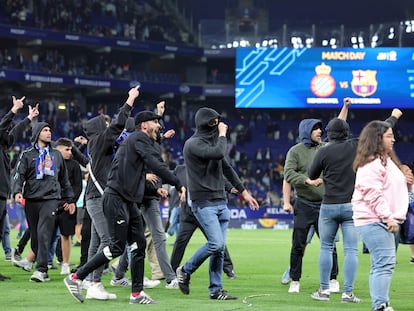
(146, 115)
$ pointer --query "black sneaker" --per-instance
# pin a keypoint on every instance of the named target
(15, 255)
(183, 280)
(231, 275)
(4, 278)
(74, 287)
(222, 295)
(412, 260)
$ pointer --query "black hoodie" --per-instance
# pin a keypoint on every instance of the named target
(204, 156)
(7, 138)
(335, 161)
(100, 147)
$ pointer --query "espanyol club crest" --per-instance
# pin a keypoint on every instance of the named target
(364, 82)
(323, 84)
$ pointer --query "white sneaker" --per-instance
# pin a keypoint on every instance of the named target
(172, 285)
(294, 287)
(86, 284)
(150, 283)
(24, 264)
(65, 268)
(97, 291)
(334, 286)
(39, 277)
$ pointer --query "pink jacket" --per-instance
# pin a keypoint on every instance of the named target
(380, 195)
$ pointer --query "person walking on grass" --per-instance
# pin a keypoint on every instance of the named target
(8, 136)
(206, 163)
(123, 194)
(379, 203)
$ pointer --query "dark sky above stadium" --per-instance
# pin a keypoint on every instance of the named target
(307, 12)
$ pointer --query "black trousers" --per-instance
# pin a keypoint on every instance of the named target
(125, 226)
(305, 215)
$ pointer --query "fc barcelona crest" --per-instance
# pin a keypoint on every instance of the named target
(364, 82)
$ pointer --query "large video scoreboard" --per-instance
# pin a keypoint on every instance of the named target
(321, 77)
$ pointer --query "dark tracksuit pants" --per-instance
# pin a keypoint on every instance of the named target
(41, 222)
(125, 225)
(306, 214)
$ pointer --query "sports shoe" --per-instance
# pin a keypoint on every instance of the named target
(150, 283)
(74, 287)
(384, 307)
(321, 295)
(39, 277)
(183, 279)
(222, 295)
(412, 260)
(65, 269)
(97, 291)
(286, 277)
(86, 284)
(4, 277)
(294, 287)
(172, 285)
(24, 264)
(122, 282)
(8, 257)
(350, 298)
(231, 275)
(142, 299)
(16, 256)
(334, 286)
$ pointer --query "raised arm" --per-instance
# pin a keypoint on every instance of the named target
(343, 114)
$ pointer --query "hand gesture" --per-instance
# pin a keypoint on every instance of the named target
(33, 112)
(396, 113)
(182, 194)
(169, 133)
(162, 192)
(222, 129)
(17, 104)
(81, 139)
(18, 198)
(347, 101)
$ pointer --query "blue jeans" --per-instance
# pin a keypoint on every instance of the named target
(330, 217)
(214, 220)
(381, 245)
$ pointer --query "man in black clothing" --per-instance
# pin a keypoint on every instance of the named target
(42, 179)
(7, 138)
(65, 220)
(188, 224)
(123, 193)
(207, 167)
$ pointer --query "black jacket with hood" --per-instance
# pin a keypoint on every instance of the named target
(7, 139)
(49, 187)
(100, 147)
(335, 161)
(135, 156)
(204, 157)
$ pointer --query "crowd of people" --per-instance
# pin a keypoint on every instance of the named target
(366, 189)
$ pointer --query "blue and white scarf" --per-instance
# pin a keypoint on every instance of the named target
(45, 163)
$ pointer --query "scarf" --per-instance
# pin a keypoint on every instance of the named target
(45, 164)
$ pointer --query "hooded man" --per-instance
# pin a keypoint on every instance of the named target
(42, 179)
(335, 161)
(7, 139)
(308, 195)
(123, 194)
(204, 156)
(101, 135)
